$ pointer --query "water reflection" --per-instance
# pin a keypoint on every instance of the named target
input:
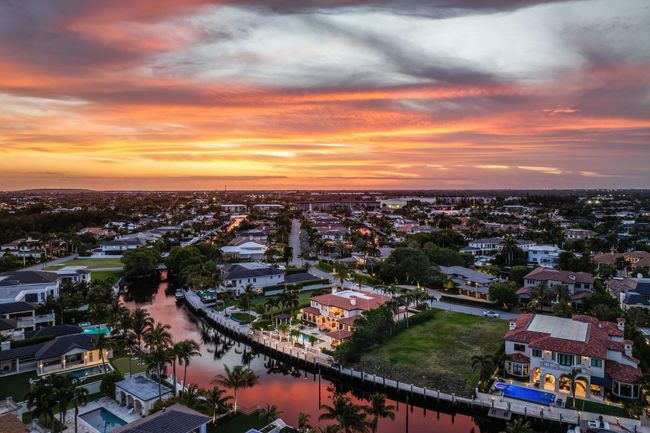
(289, 388)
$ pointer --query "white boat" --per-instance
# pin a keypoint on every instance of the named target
(597, 426)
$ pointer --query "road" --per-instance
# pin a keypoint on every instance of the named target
(294, 243)
(59, 261)
(476, 311)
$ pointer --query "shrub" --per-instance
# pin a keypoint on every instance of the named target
(108, 383)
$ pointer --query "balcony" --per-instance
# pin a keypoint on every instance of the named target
(30, 322)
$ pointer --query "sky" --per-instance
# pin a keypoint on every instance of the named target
(324, 94)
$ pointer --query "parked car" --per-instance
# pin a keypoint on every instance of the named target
(489, 313)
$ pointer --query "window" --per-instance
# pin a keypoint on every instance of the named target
(596, 362)
(563, 359)
(537, 353)
(520, 347)
(31, 297)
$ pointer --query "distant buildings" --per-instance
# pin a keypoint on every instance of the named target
(239, 275)
(578, 234)
(544, 255)
(470, 283)
(578, 284)
(242, 248)
(631, 292)
(545, 349)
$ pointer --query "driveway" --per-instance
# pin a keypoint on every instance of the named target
(294, 243)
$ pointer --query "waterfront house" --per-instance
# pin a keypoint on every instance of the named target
(578, 284)
(543, 350)
(117, 247)
(21, 316)
(470, 283)
(174, 419)
(544, 255)
(237, 276)
(74, 274)
(28, 286)
(140, 393)
(335, 313)
(630, 292)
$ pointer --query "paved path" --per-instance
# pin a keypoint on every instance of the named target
(294, 243)
(59, 261)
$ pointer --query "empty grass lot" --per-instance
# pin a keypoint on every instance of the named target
(110, 262)
(437, 353)
(595, 407)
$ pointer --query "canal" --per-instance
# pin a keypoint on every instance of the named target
(290, 389)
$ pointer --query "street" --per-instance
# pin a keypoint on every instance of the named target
(294, 243)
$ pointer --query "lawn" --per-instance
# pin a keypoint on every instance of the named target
(243, 318)
(241, 423)
(437, 353)
(112, 262)
(122, 364)
(595, 407)
(107, 275)
(325, 267)
(16, 386)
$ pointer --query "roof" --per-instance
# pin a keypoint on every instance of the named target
(175, 419)
(519, 357)
(54, 331)
(622, 372)
(637, 258)
(565, 277)
(16, 307)
(21, 352)
(7, 324)
(248, 270)
(351, 300)
(311, 310)
(469, 274)
(27, 277)
(300, 277)
(339, 335)
(142, 387)
(9, 423)
(62, 345)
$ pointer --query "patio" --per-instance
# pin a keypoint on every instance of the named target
(105, 402)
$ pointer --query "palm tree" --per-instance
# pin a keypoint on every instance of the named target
(303, 422)
(189, 349)
(218, 401)
(508, 249)
(239, 377)
(102, 344)
(156, 358)
(271, 304)
(284, 329)
(191, 396)
(158, 336)
(80, 398)
(341, 271)
(64, 391)
(349, 416)
(269, 413)
(332, 428)
(573, 376)
(484, 364)
(130, 342)
(378, 409)
(41, 399)
(295, 333)
(176, 352)
(519, 425)
(141, 323)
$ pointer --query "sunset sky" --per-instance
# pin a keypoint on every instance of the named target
(324, 94)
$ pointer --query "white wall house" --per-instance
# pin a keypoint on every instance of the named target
(244, 249)
(544, 255)
(28, 286)
(118, 247)
(543, 350)
(239, 275)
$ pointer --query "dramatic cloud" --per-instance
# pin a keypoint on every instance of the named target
(324, 94)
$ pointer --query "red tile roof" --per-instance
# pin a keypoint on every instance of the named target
(9, 423)
(348, 320)
(345, 303)
(519, 357)
(565, 277)
(622, 373)
(311, 310)
(339, 335)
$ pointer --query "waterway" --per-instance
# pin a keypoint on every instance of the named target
(290, 389)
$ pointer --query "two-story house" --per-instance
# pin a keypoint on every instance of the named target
(578, 284)
(630, 292)
(239, 275)
(544, 255)
(28, 286)
(244, 248)
(544, 350)
(336, 312)
(469, 282)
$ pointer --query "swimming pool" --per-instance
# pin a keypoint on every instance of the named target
(103, 420)
(528, 394)
(82, 373)
(305, 338)
(96, 329)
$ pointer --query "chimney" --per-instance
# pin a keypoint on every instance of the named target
(628, 348)
(620, 323)
(353, 301)
(513, 325)
(5, 345)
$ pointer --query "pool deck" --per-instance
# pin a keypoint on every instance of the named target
(106, 402)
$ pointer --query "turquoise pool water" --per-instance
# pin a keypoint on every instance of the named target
(96, 329)
(305, 339)
(103, 420)
(89, 371)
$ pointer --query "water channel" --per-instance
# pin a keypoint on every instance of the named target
(290, 389)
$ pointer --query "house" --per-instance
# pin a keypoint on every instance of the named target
(234, 208)
(486, 246)
(21, 316)
(332, 232)
(469, 282)
(97, 232)
(259, 275)
(578, 284)
(268, 207)
(243, 248)
(336, 312)
(544, 255)
(28, 286)
(62, 354)
(632, 260)
(140, 393)
(24, 248)
(578, 234)
(630, 292)
(176, 418)
(117, 247)
(259, 235)
(74, 274)
(543, 350)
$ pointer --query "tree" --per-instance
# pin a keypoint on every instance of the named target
(141, 323)
(41, 399)
(237, 378)
(484, 364)
(349, 416)
(503, 294)
(573, 376)
(519, 425)
(218, 402)
(80, 398)
(141, 262)
(109, 380)
(303, 422)
(517, 274)
(407, 266)
(269, 413)
(378, 409)
(188, 350)
(102, 344)
(287, 254)
(158, 341)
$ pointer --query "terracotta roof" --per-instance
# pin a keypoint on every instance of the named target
(339, 335)
(622, 373)
(345, 303)
(519, 357)
(9, 423)
(348, 320)
(311, 310)
(642, 258)
(565, 277)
